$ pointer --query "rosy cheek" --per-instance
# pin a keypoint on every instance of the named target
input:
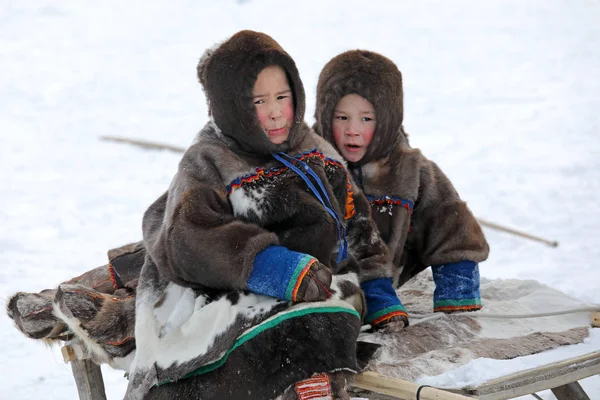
(368, 136)
(338, 135)
(288, 113)
(263, 117)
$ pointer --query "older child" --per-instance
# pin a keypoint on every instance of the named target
(417, 210)
(259, 215)
(259, 206)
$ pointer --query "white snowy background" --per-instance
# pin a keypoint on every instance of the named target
(503, 94)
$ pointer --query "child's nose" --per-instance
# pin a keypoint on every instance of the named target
(352, 131)
(275, 113)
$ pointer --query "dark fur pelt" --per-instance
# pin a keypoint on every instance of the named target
(94, 311)
(440, 229)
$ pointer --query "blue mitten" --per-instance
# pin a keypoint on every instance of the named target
(456, 287)
(382, 302)
(279, 272)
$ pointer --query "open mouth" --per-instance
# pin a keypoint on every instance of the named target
(353, 147)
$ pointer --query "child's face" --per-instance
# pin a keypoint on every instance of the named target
(274, 103)
(353, 126)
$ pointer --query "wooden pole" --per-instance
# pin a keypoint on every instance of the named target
(87, 374)
(143, 143)
(551, 243)
(401, 389)
(88, 377)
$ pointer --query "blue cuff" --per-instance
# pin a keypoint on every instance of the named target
(456, 286)
(382, 301)
(277, 272)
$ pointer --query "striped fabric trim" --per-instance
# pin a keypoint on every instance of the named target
(317, 387)
(457, 305)
(258, 329)
(391, 200)
(350, 210)
(262, 173)
(113, 276)
(296, 280)
(385, 314)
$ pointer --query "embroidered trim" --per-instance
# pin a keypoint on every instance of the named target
(113, 277)
(296, 280)
(386, 313)
(385, 199)
(317, 387)
(457, 305)
(350, 211)
(388, 316)
(458, 308)
(262, 173)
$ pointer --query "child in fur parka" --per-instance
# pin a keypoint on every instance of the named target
(260, 205)
(418, 212)
(252, 259)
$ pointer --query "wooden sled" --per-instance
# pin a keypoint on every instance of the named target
(561, 377)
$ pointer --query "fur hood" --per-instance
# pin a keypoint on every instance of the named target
(377, 79)
(228, 73)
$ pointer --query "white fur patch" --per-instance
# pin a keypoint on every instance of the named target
(75, 326)
(184, 327)
(199, 332)
(245, 200)
(337, 280)
(176, 308)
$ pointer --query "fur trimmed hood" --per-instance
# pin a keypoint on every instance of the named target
(228, 73)
(377, 79)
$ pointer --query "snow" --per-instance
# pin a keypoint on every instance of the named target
(503, 95)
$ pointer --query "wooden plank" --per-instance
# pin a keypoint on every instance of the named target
(74, 351)
(537, 379)
(571, 391)
(88, 377)
(401, 389)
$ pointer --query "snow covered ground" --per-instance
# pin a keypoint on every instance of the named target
(503, 94)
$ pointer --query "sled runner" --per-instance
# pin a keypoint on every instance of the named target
(562, 377)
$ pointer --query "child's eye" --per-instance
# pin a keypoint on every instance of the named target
(341, 117)
(261, 101)
(280, 97)
(367, 119)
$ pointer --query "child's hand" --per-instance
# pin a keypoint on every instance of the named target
(394, 324)
(316, 284)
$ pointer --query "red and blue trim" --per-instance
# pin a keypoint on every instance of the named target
(278, 272)
(391, 200)
(262, 173)
(382, 301)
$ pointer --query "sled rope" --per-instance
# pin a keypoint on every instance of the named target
(431, 317)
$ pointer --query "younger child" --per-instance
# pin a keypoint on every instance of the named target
(417, 210)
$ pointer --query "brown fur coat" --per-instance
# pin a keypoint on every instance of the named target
(417, 210)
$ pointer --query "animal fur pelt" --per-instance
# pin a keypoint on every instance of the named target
(439, 346)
